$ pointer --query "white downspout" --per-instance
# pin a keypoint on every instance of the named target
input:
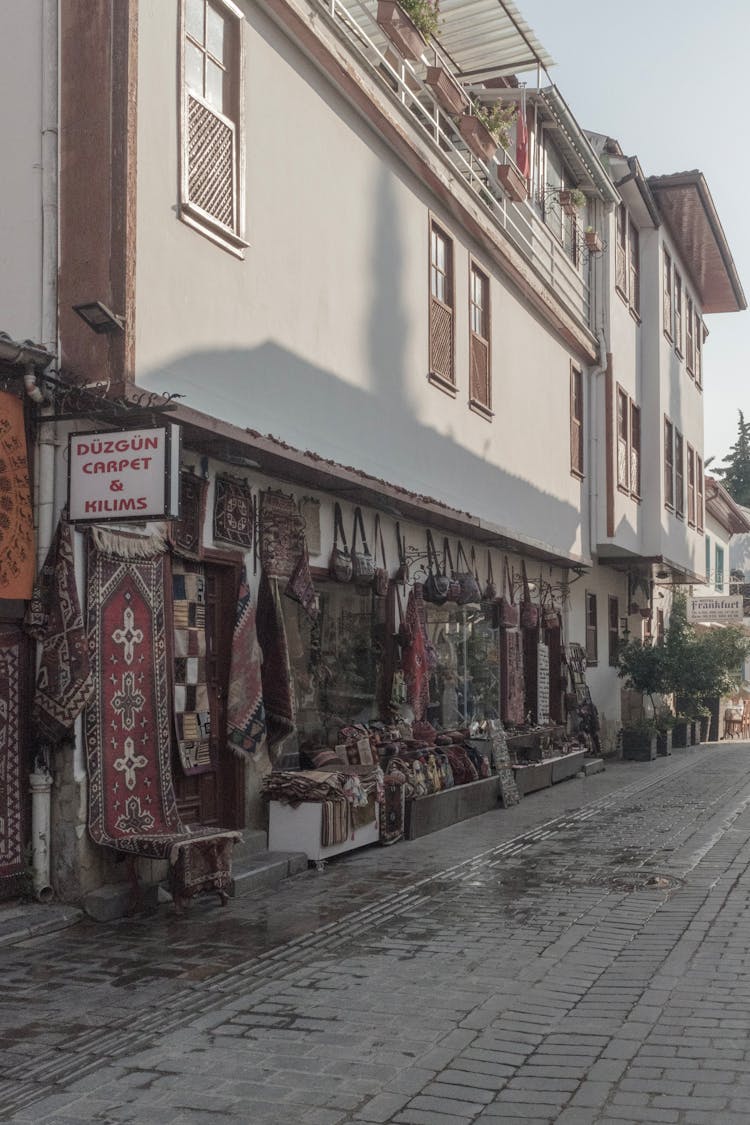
(41, 779)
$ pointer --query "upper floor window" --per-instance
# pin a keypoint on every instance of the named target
(442, 360)
(627, 259)
(668, 463)
(679, 474)
(699, 498)
(698, 350)
(480, 389)
(635, 449)
(689, 335)
(719, 570)
(634, 267)
(576, 422)
(691, 485)
(621, 249)
(623, 442)
(708, 560)
(613, 631)
(592, 645)
(667, 294)
(677, 312)
(211, 121)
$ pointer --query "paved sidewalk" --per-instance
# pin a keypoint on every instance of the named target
(582, 958)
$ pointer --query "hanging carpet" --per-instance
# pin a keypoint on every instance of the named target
(132, 804)
(187, 531)
(282, 533)
(11, 741)
(278, 689)
(64, 682)
(246, 718)
(233, 512)
(192, 713)
(16, 520)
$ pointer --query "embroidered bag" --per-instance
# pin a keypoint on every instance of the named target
(454, 589)
(363, 564)
(437, 583)
(470, 591)
(340, 564)
(508, 610)
(300, 586)
(490, 590)
(403, 634)
(381, 578)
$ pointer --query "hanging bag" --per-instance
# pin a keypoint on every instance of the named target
(340, 564)
(381, 576)
(363, 564)
(490, 589)
(529, 611)
(454, 586)
(437, 583)
(550, 616)
(508, 610)
(403, 569)
(403, 633)
(470, 591)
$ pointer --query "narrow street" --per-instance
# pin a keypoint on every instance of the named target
(580, 958)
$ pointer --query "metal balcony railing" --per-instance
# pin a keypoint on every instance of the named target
(355, 20)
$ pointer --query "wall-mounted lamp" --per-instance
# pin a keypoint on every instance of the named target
(99, 317)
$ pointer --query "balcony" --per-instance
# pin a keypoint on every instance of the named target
(417, 102)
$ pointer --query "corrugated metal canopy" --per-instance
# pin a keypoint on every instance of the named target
(488, 37)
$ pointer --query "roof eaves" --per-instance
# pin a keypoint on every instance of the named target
(577, 139)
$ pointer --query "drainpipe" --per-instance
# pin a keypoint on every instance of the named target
(41, 779)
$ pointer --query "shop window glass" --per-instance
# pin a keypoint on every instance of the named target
(465, 686)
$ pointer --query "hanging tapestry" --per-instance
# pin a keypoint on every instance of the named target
(187, 531)
(309, 509)
(16, 519)
(512, 691)
(233, 512)
(414, 656)
(246, 721)
(11, 741)
(64, 682)
(282, 536)
(278, 690)
(393, 808)
(192, 712)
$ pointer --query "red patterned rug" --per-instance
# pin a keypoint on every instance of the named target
(11, 800)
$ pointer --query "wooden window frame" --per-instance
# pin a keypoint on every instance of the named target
(577, 424)
(592, 629)
(475, 404)
(634, 268)
(718, 569)
(678, 462)
(668, 310)
(621, 252)
(699, 340)
(690, 485)
(437, 378)
(668, 464)
(231, 238)
(635, 451)
(677, 313)
(613, 630)
(689, 336)
(623, 455)
(708, 559)
(699, 495)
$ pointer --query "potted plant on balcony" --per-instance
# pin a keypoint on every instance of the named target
(408, 24)
(594, 243)
(448, 93)
(572, 200)
(514, 183)
(485, 128)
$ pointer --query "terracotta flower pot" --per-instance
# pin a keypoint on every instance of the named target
(447, 91)
(477, 137)
(513, 182)
(400, 29)
(593, 242)
(567, 204)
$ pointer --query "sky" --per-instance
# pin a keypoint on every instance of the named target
(667, 79)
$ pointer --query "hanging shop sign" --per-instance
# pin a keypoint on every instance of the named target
(542, 684)
(716, 611)
(124, 474)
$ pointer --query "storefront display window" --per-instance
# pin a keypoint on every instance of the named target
(465, 685)
(337, 661)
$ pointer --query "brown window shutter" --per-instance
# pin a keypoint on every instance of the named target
(480, 371)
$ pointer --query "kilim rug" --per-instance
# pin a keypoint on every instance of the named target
(393, 808)
(246, 717)
(11, 741)
(282, 536)
(192, 713)
(132, 806)
(64, 682)
(233, 512)
(187, 531)
(278, 689)
(16, 520)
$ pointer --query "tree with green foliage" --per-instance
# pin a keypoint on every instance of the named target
(735, 472)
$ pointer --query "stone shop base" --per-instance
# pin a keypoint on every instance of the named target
(440, 810)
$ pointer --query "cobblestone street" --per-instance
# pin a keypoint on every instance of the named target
(580, 958)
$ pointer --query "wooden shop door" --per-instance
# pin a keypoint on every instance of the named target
(216, 797)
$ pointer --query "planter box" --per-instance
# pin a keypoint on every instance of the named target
(682, 735)
(514, 183)
(594, 243)
(531, 778)
(447, 91)
(400, 29)
(477, 136)
(664, 744)
(568, 765)
(638, 747)
(567, 204)
(439, 810)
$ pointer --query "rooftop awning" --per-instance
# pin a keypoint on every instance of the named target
(489, 38)
(689, 211)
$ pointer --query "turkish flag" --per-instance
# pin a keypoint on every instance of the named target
(522, 142)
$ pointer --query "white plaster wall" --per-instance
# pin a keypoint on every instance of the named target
(718, 537)
(20, 193)
(320, 336)
(603, 681)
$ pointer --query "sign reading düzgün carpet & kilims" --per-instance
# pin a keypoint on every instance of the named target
(124, 474)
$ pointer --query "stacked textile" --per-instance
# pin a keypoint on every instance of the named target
(346, 796)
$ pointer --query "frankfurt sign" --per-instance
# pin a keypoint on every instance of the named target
(124, 474)
(716, 611)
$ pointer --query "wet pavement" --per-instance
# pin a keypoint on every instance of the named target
(581, 958)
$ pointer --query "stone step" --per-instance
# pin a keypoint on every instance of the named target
(264, 870)
(253, 842)
(593, 765)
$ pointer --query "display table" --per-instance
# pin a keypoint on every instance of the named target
(300, 830)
